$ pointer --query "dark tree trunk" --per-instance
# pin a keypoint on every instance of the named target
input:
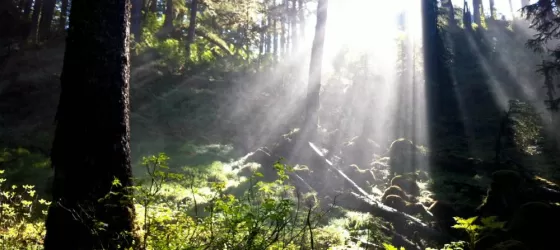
(467, 21)
(268, 27)
(315, 67)
(45, 23)
(492, 10)
(63, 15)
(477, 4)
(35, 20)
(91, 144)
(27, 9)
(169, 17)
(136, 19)
(192, 29)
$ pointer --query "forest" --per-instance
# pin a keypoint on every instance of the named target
(279, 124)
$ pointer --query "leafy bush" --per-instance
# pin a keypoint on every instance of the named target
(22, 216)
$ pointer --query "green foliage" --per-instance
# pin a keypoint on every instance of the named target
(22, 215)
(474, 230)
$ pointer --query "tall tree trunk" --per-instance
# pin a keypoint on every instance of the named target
(35, 20)
(47, 12)
(27, 9)
(63, 15)
(315, 67)
(275, 37)
(268, 26)
(467, 18)
(477, 4)
(492, 10)
(169, 17)
(448, 4)
(262, 36)
(91, 147)
(136, 19)
(192, 29)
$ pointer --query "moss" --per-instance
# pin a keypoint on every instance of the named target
(406, 183)
(401, 153)
(396, 202)
(395, 190)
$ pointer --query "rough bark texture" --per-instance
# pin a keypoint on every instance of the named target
(91, 144)
(315, 68)
(35, 20)
(63, 15)
(192, 29)
(47, 12)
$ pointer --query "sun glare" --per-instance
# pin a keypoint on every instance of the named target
(369, 26)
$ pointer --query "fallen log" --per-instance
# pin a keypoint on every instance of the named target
(389, 213)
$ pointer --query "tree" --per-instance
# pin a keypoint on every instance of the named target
(169, 17)
(547, 25)
(492, 10)
(192, 28)
(35, 20)
(477, 15)
(136, 19)
(467, 21)
(92, 205)
(45, 23)
(315, 67)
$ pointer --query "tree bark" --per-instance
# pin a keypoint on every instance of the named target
(47, 13)
(169, 17)
(91, 146)
(192, 29)
(35, 20)
(315, 67)
(136, 19)
(63, 15)
(476, 11)
(492, 10)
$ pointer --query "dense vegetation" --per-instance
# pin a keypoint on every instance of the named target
(278, 124)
